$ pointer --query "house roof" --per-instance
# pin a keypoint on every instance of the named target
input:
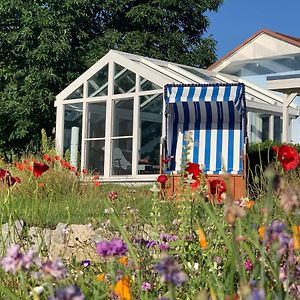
(276, 35)
(162, 72)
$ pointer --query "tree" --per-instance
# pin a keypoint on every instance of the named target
(47, 44)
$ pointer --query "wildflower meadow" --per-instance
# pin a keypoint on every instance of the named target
(203, 245)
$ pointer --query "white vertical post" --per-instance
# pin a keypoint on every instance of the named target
(249, 126)
(74, 145)
(287, 100)
(136, 127)
(84, 125)
(271, 127)
(109, 120)
(59, 129)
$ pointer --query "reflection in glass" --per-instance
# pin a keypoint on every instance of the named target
(124, 80)
(123, 117)
(73, 127)
(96, 120)
(198, 73)
(147, 85)
(77, 94)
(97, 84)
(95, 156)
(151, 121)
(122, 156)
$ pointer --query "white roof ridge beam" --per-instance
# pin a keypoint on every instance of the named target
(274, 109)
(186, 73)
(157, 77)
(258, 92)
(163, 71)
(139, 57)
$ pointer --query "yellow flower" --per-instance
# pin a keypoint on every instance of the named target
(202, 238)
(296, 236)
(100, 277)
(123, 260)
(122, 289)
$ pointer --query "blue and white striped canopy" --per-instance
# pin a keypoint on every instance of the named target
(213, 117)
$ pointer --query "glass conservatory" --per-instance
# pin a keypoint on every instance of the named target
(109, 120)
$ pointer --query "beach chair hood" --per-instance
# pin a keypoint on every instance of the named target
(210, 119)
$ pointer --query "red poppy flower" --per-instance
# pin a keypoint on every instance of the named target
(39, 169)
(30, 168)
(20, 166)
(11, 181)
(26, 161)
(97, 183)
(46, 157)
(96, 177)
(84, 171)
(77, 173)
(57, 157)
(275, 148)
(288, 157)
(165, 161)
(3, 173)
(162, 179)
(72, 169)
(195, 184)
(217, 188)
(193, 168)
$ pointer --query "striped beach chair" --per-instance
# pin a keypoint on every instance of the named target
(213, 117)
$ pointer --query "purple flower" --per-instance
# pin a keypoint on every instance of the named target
(146, 286)
(275, 234)
(164, 246)
(70, 292)
(165, 237)
(151, 244)
(16, 260)
(55, 269)
(85, 263)
(248, 264)
(257, 294)
(170, 271)
(115, 247)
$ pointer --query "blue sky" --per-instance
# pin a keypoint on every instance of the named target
(237, 20)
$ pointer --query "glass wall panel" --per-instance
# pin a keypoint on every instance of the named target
(95, 156)
(123, 117)
(77, 94)
(96, 120)
(122, 156)
(277, 128)
(147, 85)
(124, 80)
(150, 123)
(73, 128)
(265, 128)
(97, 84)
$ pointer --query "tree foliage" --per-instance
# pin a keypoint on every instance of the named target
(47, 44)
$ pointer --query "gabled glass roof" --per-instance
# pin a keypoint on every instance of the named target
(154, 75)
